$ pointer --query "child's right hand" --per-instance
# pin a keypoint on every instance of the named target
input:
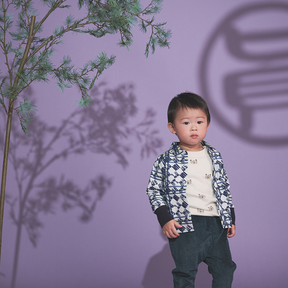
(169, 229)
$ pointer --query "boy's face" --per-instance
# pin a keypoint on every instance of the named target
(190, 126)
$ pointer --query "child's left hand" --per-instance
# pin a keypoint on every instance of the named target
(231, 231)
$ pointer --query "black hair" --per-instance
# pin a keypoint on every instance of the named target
(187, 100)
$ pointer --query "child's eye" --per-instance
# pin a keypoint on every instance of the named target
(186, 123)
(199, 122)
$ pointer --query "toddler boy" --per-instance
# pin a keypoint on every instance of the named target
(189, 192)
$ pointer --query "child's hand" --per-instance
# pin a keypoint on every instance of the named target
(169, 229)
(231, 231)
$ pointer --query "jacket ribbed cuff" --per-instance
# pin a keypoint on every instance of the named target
(163, 215)
(233, 215)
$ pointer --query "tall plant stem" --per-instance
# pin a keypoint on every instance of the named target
(8, 129)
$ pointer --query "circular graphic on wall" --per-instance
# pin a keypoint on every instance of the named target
(244, 73)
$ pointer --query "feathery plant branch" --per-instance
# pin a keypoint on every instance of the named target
(28, 52)
(8, 128)
(102, 18)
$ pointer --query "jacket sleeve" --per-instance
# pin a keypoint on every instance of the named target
(226, 186)
(221, 186)
(156, 191)
(231, 205)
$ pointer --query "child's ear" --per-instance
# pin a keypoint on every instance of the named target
(171, 128)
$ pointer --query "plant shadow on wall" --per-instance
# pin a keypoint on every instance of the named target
(102, 128)
(252, 86)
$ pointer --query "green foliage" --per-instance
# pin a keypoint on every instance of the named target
(25, 111)
(101, 18)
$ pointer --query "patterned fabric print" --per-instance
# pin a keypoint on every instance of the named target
(221, 187)
(167, 186)
(176, 189)
(156, 186)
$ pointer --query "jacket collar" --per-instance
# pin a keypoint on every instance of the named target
(175, 149)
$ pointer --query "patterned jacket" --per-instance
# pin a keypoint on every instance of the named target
(167, 188)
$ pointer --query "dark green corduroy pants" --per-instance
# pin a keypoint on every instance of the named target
(208, 244)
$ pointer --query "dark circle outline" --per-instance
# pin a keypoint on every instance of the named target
(204, 67)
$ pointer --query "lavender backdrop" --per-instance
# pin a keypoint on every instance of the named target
(88, 222)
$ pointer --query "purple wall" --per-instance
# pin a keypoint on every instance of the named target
(235, 54)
